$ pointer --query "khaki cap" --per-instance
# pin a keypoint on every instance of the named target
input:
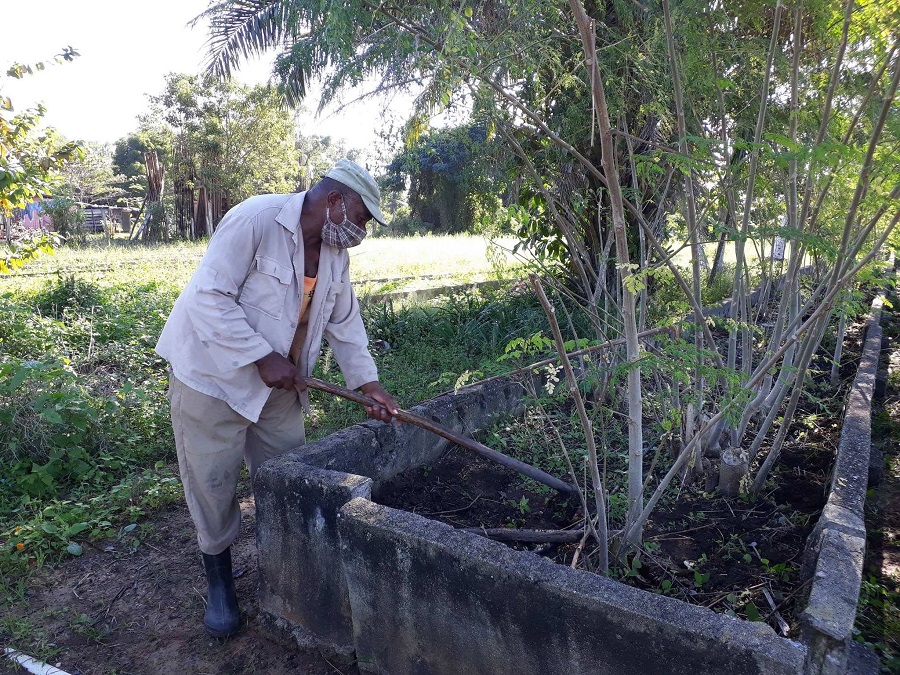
(357, 178)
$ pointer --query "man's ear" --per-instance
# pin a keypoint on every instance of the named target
(334, 198)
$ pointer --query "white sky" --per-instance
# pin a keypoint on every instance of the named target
(126, 47)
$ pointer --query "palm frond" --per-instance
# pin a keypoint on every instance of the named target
(240, 29)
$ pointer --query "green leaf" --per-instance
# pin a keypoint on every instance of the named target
(49, 528)
(752, 612)
(51, 416)
(76, 528)
(74, 549)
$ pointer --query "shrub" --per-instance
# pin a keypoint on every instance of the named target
(67, 218)
(68, 292)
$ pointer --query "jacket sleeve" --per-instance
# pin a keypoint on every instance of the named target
(346, 334)
(212, 296)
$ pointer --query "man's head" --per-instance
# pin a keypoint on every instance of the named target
(349, 198)
(360, 181)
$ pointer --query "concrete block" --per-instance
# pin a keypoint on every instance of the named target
(302, 592)
(429, 599)
(835, 550)
(303, 595)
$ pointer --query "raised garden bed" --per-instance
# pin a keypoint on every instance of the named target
(408, 593)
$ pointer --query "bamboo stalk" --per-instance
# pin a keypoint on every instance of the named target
(467, 443)
(617, 211)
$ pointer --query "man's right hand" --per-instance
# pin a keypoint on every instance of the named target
(279, 373)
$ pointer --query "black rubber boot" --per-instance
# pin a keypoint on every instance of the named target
(223, 617)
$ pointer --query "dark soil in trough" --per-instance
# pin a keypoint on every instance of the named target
(732, 555)
(723, 541)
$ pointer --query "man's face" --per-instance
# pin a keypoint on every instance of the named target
(357, 212)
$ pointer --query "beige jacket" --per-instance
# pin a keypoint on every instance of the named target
(243, 302)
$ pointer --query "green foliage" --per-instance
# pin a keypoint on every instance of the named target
(231, 139)
(878, 619)
(67, 218)
(128, 160)
(432, 348)
(29, 155)
(90, 178)
(84, 430)
(28, 248)
(451, 186)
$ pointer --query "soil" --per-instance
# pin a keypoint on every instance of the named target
(723, 541)
(731, 555)
(135, 606)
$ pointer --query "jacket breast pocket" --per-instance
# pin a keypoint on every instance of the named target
(266, 286)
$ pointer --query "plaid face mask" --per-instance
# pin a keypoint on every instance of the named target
(341, 235)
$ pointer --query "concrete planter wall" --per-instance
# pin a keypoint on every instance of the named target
(836, 548)
(409, 595)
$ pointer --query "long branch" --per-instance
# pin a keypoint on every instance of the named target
(632, 345)
(593, 464)
(467, 443)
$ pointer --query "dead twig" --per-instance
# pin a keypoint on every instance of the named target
(527, 536)
(782, 624)
(462, 508)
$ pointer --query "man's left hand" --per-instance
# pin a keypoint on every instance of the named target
(388, 406)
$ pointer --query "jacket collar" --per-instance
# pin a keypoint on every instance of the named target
(289, 216)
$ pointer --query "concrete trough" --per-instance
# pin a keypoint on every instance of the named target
(836, 548)
(403, 594)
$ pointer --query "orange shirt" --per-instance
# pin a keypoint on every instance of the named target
(309, 286)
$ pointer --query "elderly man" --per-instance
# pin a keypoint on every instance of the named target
(243, 335)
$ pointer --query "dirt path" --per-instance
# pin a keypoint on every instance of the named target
(136, 608)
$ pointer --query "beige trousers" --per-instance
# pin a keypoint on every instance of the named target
(213, 440)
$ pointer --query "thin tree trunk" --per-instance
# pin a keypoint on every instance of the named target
(632, 346)
(690, 212)
(838, 350)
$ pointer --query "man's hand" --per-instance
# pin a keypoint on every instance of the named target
(388, 408)
(279, 373)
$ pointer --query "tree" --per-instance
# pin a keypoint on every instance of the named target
(636, 127)
(29, 159)
(91, 178)
(220, 143)
(317, 154)
(449, 176)
(29, 156)
(128, 160)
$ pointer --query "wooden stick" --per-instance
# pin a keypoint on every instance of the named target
(467, 443)
(528, 536)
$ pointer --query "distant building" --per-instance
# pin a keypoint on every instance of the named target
(32, 217)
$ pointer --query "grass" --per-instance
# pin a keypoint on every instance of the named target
(117, 262)
(85, 441)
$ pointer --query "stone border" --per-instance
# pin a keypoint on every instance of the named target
(345, 575)
(407, 594)
(836, 547)
(424, 294)
(428, 598)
